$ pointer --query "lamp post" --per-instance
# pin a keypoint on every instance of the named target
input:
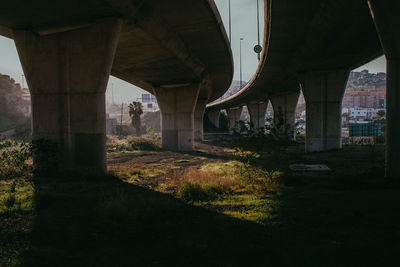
(240, 62)
(230, 22)
(258, 28)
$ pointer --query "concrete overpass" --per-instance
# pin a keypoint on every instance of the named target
(313, 45)
(176, 49)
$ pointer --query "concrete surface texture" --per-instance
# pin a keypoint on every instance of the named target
(69, 50)
(323, 92)
(327, 36)
(213, 116)
(234, 115)
(387, 22)
(284, 106)
(67, 79)
(257, 113)
(177, 106)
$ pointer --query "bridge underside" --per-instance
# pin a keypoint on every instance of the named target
(313, 46)
(68, 50)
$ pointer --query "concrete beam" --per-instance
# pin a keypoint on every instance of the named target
(67, 75)
(284, 106)
(177, 115)
(323, 92)
(198, 119)
(257, 114)
(233, 115)
(387, 23)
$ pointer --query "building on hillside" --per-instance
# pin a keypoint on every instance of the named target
(364, 98)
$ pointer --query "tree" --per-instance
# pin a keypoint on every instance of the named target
(381, 113)
(135, 110)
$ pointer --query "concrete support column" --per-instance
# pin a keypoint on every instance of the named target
(198, 118)
(257, 114)
(177, 106)
(67, 73)
(233, 115)
(284, 106)
(213, 116)
(387, 20)
(323, 92)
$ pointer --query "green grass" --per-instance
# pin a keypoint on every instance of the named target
(135, 174)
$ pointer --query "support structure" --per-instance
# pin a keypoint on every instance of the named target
(198, 118)
(284, 106)
(213, 116)
(177, 106)
(234, 115)
(387, 22)
(323, 92)
(67, 74)
(257, 114)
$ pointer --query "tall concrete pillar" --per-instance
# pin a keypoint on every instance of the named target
(284, 106)
(177, 106)
(387, 21)
(257, 113)
(323, 92)
(198, 118)
(233, 115)
(213, 116)
(67, 73)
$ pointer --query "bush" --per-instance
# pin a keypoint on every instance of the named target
(143, 143)
(13, 160)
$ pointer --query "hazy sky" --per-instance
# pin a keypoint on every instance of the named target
(244, 25)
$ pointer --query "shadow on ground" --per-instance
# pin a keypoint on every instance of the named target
(110, 223)
(346, 217)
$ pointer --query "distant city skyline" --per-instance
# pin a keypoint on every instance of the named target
(244, 25)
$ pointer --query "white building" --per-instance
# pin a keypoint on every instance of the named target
(149, 102)
(363, 113)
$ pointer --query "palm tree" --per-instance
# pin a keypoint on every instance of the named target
(135, 110)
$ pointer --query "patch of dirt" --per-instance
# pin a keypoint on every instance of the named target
(172, 163)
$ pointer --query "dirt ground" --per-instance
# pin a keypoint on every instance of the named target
(352, 160)
(168, 161)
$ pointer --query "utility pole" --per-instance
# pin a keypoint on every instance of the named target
(240, 62)
(230, 22)
(23, 84)
(120, 129)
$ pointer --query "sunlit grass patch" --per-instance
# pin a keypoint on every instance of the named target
(182, 161)
(137, 173)
(16, 195)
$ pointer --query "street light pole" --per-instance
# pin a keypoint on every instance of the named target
(230, 22)
(240, 62)
(258, 28)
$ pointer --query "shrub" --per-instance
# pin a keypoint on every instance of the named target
(13, 161)
(143, 143)
(132, 143)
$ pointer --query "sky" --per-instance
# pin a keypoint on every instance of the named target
(244, 25)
